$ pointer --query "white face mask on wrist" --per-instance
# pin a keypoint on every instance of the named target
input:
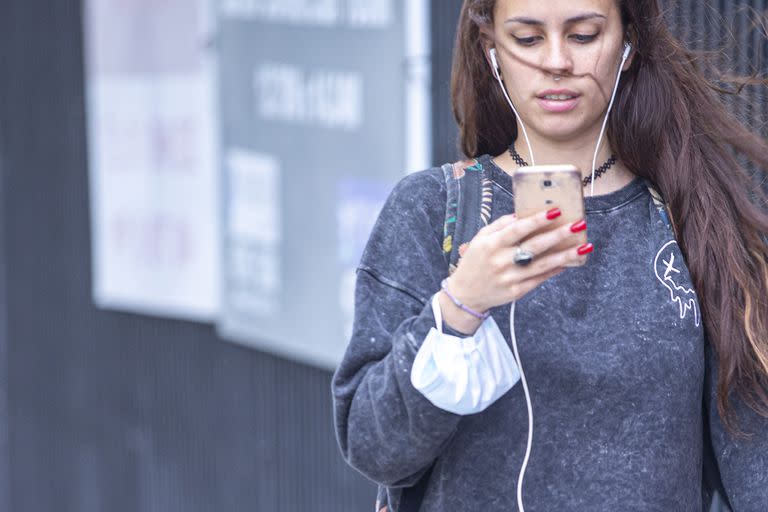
(463, 375)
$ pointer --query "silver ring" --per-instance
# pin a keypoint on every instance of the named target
(557, 78)
(522, 256)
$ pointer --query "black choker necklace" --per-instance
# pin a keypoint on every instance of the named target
(586, 181)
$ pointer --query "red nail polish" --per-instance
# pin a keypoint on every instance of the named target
(586, 249)
(554, 213)
(579, 226)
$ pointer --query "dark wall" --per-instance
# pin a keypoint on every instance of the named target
(444, 19)
(118, 412)
(4, 458)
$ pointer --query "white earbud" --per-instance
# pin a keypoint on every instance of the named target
(627, 50)
(496, 69)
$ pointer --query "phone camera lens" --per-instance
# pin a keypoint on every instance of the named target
(547, 183)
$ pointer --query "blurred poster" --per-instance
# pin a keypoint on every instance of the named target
(152, 145)
(325, 106)
(254, 231)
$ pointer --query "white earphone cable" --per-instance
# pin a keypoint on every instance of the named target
(529, 405)
(497, 74)
(605, 120)
(530, 410)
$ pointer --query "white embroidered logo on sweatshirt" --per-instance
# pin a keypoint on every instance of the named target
(668, 271)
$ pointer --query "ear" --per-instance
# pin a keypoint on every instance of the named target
(631, 38)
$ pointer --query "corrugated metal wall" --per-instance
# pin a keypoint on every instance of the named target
(4, 457)
(117, 412)
(445, 14)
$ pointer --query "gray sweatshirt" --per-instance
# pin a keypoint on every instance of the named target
(614, 353)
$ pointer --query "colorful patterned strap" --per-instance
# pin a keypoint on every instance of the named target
(468, 207)
(662, 207)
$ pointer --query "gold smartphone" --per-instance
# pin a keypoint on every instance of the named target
(543, 187)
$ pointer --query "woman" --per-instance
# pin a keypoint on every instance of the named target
(632, 375)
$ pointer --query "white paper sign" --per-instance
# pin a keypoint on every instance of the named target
(152, 145)
(254, 232)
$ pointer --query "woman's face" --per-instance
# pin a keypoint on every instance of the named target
(580, 41)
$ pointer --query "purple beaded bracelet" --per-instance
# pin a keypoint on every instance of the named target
(481, 316)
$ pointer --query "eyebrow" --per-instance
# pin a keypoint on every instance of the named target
(575, 19)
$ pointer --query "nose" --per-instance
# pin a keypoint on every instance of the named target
(557, 58)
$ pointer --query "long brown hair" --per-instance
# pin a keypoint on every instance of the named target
(668, 125)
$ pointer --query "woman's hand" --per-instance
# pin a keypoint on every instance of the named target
(487, 275)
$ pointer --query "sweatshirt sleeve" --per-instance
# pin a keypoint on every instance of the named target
(742, 462)
(386, 429)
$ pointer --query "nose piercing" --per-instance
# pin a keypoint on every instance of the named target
(557, 78)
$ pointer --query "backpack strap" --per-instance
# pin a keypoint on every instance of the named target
(662, 208)
(468, 207)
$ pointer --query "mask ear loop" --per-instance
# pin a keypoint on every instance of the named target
(624, 57)
(497, 74)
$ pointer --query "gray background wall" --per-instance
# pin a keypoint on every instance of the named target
(110, 411)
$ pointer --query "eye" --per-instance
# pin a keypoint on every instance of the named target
(583, 38)
(526, 41)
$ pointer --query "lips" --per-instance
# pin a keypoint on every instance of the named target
(558, 92)
(558, 100)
